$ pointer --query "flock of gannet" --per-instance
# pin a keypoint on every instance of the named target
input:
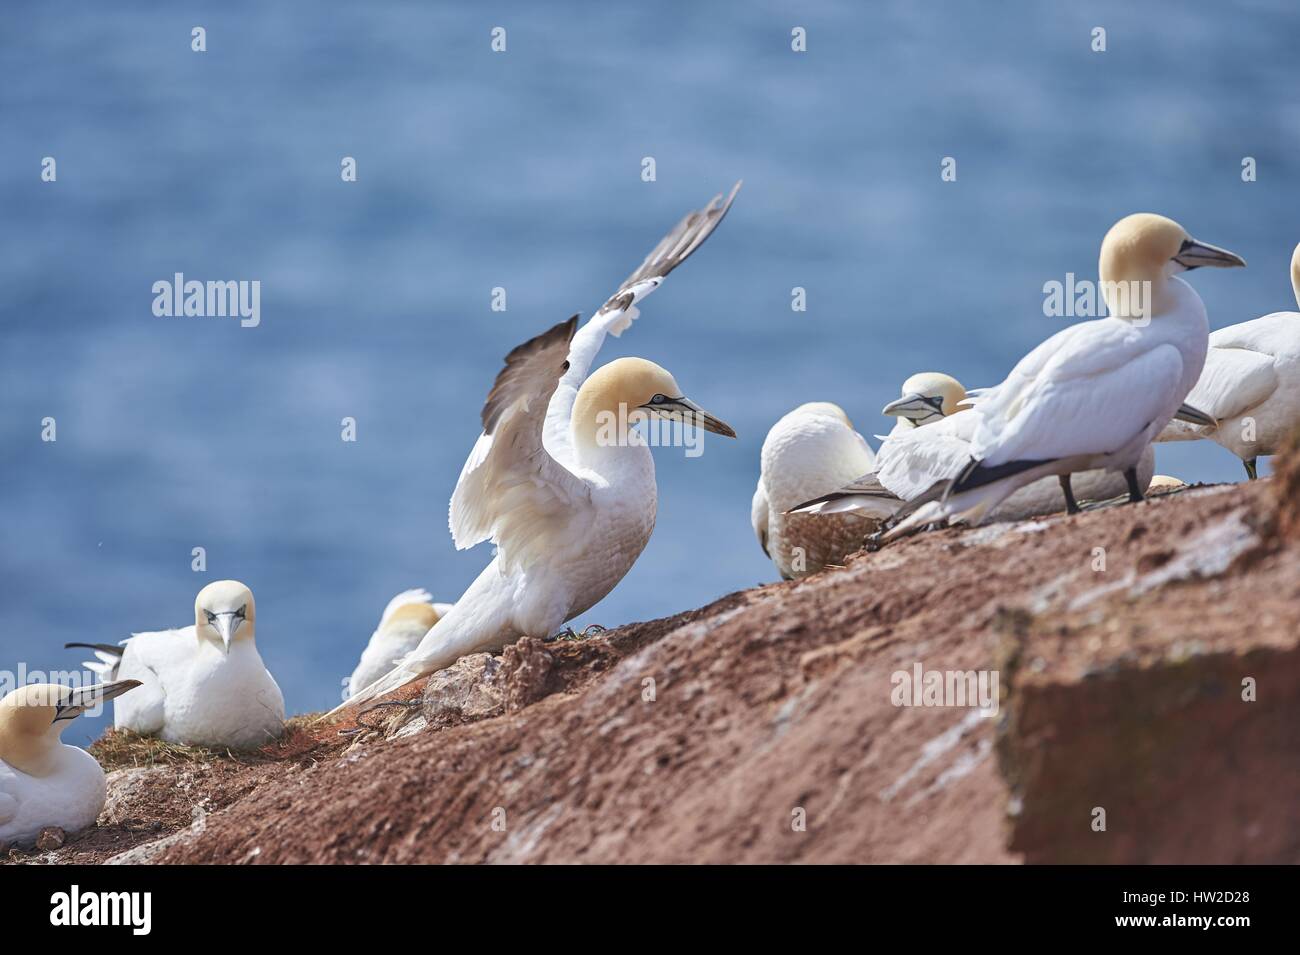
(1250, 385)
(563, 484)
(1077, 416)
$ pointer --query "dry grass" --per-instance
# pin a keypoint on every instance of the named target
(123, 749)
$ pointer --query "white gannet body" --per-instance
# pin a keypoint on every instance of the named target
(809, 451)
(43, 781)
(203, 685)
(402, 626)
(1096, 394)
(559, 480)
(932, 442)
(1250, 384)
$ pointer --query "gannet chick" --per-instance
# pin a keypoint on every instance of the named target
(810, 450)
(402, 626)
(915, 456)
(44, 781)
(1251, 384)
(203, 685)
(1095, 394)
(559, 480)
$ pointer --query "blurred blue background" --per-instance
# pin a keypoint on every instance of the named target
(522, 170)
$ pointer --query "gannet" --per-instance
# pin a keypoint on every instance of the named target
(44, 781)
(1163, 483)
(925, 398)
(934, 442)
(203, 685)
(1095, 394)
(1251, 384)
(809, 450)
(402, 626)
(559, 480)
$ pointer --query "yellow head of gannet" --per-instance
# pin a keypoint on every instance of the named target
(1295, 274)
(627, 390)
(33, 718)
(1140, 253)
(419, 616)
(224, 612)
(926, 397)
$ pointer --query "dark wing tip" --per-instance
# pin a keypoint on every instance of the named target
(104, 647)
(503, 391)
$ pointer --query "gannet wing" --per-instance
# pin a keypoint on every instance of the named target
(1088, 398)
(107, 658)
(1233, 381)
(620, 310)
(417, 596)
(149, 657)
(758, 515)
(511, 490)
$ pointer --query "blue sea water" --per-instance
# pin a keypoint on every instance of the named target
(522, 170)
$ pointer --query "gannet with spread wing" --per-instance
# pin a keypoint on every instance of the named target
(1094, 395)
(559, 480)
(1251, 384)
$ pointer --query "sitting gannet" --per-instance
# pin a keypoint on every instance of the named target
(1164, 484)
(811, 449)
(203, 685)
(559, 480)
(934, 442)
(1251, 384)
(43, 781)
(1094, 395)
(404, 622)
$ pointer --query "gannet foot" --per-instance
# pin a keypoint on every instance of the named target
(1251, 464)
(1071, 505)
(1134, 495)
(568, 633)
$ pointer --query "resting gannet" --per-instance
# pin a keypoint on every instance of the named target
(402, 626)
(1094, 395)
(43, 781)
(917, 455)
(203, 685)
(559, 480)
(1251, 384)
(811, 449)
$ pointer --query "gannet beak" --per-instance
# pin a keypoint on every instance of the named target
(226, 624)
(1194, 254)
(85, 697)
(1195, 416)
(688, 412)
(914, 406)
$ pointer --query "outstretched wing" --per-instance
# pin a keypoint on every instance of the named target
(511, 490)
(620, 310)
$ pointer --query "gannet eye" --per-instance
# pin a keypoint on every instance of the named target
(657, 400)
(240, 612)
(212, 617)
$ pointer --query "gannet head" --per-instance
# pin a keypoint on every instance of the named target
(625, 391)
(1295, 273)
(224, 612)
(33, 717)
(826, 408)
(927, 397)
(413, 616)
(1143, 250)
